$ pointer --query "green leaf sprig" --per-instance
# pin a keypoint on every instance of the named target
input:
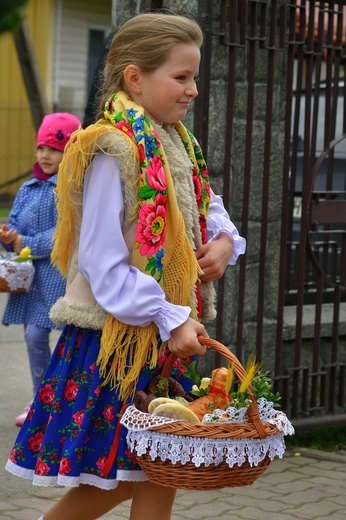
(262, 387)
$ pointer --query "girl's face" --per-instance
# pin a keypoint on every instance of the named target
(167, 92)
(49, 159)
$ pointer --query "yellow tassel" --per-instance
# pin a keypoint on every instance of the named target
(252, 367)
(229, 379)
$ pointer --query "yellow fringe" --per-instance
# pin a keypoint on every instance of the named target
(78, 154)
(125, 350)
(130, 347)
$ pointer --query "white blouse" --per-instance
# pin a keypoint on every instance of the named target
(130, 295)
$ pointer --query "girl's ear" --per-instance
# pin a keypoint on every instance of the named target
(132, 77)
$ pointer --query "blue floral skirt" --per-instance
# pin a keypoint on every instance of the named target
(71, 425)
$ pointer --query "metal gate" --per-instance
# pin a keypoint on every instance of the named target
(311, 38)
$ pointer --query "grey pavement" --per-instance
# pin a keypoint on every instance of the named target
(304, 485)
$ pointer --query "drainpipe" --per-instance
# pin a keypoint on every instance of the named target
(57, 47)
(31, 74)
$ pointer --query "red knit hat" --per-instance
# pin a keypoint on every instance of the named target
(56, 129)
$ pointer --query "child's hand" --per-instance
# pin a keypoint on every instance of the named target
(18, 243)
(183, 341)
(7, 236)
(213, 257)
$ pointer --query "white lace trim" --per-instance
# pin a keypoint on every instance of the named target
(267, 413)
(177, 448)
(204, 450)
(84, 478)
(17, 275)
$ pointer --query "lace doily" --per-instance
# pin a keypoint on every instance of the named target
(16, 275)
(267, 413)
(204, 450)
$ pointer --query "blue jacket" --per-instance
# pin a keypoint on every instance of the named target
(34, 216)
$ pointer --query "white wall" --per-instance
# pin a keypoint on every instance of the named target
(73, 22)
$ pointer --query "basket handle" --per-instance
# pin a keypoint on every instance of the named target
(239, 370)
(219, 347)
(227, 354)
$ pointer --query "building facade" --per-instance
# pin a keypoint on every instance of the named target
(66, 38)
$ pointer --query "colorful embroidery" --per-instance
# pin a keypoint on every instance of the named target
(152, 194)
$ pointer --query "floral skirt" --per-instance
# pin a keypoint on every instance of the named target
(71, 425)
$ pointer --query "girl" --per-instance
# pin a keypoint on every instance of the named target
(32, 221)
(140, 238)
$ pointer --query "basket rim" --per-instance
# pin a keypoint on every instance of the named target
(211, 430)
(216, 430)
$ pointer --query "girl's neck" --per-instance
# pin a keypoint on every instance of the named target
(152, 119)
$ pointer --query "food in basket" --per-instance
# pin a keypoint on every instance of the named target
(159, 387)
(210, 397)
(175, 410)
(205, 383)
(217, 396)
(157, 402)
(164, 386)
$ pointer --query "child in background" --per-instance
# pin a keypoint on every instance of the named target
(140, 237)
(32, 221)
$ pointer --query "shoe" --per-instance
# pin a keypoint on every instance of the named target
(21, 418)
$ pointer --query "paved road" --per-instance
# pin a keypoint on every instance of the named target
(308, 486)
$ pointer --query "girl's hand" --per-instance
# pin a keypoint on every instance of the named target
(213, 257)
(183, 341)
(7, 236)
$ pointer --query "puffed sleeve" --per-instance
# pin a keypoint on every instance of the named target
(130, 295)
(219, 222)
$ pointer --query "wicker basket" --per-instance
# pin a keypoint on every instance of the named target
(212, 476)
(15, 277)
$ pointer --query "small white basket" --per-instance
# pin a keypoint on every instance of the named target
(15, 277)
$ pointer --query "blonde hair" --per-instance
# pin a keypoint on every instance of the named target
(145, 40)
